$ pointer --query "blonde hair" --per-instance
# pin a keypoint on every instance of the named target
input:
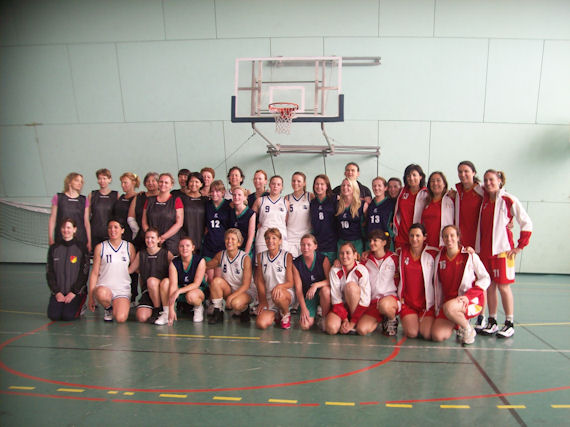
(133, 177)
(244, 191)
(70, 177)
(218, 185)
(235, 232)
(355, 204)
(274, 231)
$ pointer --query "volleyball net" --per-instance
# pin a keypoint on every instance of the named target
(24, 222)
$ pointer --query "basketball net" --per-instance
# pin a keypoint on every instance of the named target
(284, 113)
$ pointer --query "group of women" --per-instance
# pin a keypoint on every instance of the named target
(353, 260)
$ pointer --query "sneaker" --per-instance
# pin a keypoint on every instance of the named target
(108, 315)
(162, 319)
(216, 317)
(480, 323)
(390, 327)
(198, 314)
(506, 331)
(154, 315)
(468, 335)
(244, 316)
(491, 328)
(286, 321)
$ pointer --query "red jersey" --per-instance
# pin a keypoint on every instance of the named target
(470, 205)
(450, 273)
(431, 219)
(487, 212)
(406, 206)
(413, 292)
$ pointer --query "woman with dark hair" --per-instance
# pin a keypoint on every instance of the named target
(182, 181)
(415, 290)
(323, 221)
(208, 175)
(194, 209)
(101, 205)
(460, 281)
(468, 201)
(165, 212)
(67, 274)
(70, 204)
(235, 179)
(410, 204)
(136, 209)
(350, 292)
(394, 187)
(496, 247)
(439, 210)
(350, 215)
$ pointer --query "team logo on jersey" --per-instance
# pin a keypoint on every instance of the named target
(238, 271)
(216, 215)
(405, 196)
(73, 259)
(279, 269)
(282, 210)
(320, 208)
(312, 278)
(305, 207)
(186, 278)
(406, 260)
(225, 269)
(124, 258)
(442, 265)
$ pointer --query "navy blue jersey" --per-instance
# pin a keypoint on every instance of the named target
(310, 275)
(350, 228)
(323, 223)
(380, 215)
(217, 221)
(241, 222)
(185, 277)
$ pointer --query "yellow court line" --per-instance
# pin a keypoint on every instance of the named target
(128, 393)
(234, 338)
(454, 406)
(544, 324)
(340, 403)
(237, 399)
(282, 401)
(71, 390)
(181, 335)
(19, 387)
(21, 312)
(511, 406)
(560, 406)
(113, 392)
(177, 396)
(398, 405)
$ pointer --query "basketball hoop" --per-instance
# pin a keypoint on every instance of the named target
(284, 113)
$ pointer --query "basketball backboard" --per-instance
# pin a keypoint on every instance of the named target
(313, 83)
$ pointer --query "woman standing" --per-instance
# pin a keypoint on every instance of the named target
(415, 290)
(259, 183)
(70, 204)
(496, 247)
(323, 208)
(101, 204)
(467, 202)
(381, 210)
(129, 183)
(272, 211)
(351, 215)
(460, 281)
(110, 283)
(194, 209)
(67, 274)
(311, 277)
(274, 282)
(208, 175)
(235, 179)
(243, 218)
(439, 210)
(165, 212)
(137, 208)
(410, 203)
(299, 218)
(350, 292)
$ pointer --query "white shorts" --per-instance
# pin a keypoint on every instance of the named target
(123, 291)
(271, 305)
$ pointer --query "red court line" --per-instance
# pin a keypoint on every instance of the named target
(52, 396)
(158, 402)
(481, 396)
(3, 366)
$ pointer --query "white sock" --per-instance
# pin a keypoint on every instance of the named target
(165, 309)
(510, 318)
(217, 302)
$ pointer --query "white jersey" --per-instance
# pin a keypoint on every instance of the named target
(274, 273)
(114, 269)
(232, 269)
(298, 221)
(272, 214)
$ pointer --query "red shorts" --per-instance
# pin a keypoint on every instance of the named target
(372, 309)
(500, 268)
(476, 304)
(406, 310)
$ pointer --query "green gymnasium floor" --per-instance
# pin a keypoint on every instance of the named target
(93, 373)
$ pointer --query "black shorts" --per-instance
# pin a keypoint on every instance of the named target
(145, 301)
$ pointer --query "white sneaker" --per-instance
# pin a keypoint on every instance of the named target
(468, 335)
(108, 315)
(198, 314)
(162, 319)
